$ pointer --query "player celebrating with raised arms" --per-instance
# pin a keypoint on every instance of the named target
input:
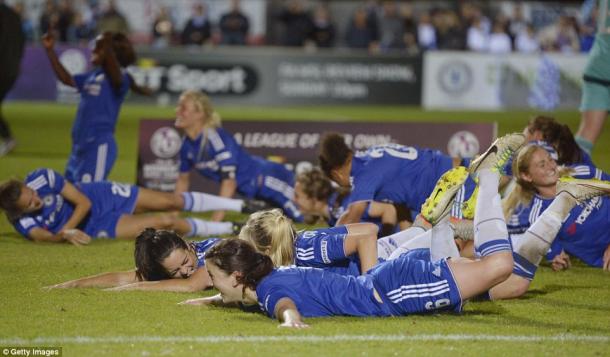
(164, 261)
(102, 91)
(398, 287)
(214, 153)
(46, 207)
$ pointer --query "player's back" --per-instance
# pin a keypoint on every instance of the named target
(318, 293)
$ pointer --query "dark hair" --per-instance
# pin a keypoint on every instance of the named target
(122, 48)
(152, 247)
(559, 136)
(334, 152)
(231, 255)
(10, 191)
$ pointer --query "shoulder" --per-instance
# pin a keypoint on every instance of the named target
(40, 178)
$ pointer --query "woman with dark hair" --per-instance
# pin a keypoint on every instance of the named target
(402, 286)
(102, 91)
(560, 137)
(47, 208)
(164, 261)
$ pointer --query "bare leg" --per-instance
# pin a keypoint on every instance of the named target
(129, 226)
(591, 125)
(150, 200)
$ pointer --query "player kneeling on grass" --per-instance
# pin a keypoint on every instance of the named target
(402, 286)
(316, 197)
(46, 207)
(164, 261)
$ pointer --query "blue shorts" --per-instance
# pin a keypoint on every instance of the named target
(411, 286)
(109, 201)
(93, 162)
(277, 187)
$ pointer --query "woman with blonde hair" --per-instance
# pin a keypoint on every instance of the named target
(214, 153)
(584, 233)
(347, 250)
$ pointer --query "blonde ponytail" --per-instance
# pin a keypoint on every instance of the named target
(271, 233)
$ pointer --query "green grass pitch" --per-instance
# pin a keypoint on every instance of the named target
(564, 313)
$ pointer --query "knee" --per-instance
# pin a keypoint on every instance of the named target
(502, 264)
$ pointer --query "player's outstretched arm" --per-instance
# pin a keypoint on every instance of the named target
(288, 314)
(48, 41)
(362, 239)
(110, 63)
(200, 280)
(105, 280)
(606, 259)
(228, 187)
(387, 214)
(74, 236)
(215, 300)
(353, 213)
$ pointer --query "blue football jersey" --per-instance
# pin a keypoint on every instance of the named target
(99, 105)
(396, 174)
(324, 248)
(585, 234)
(201, 247)
(55, 211)
(318, 293)
(405, 285)
(337, 206)
(109, 201)
(216, 155)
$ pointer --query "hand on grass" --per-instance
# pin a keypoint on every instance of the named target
(294, 324)
(76, 236)
(561, 261)
(67, 284)
(198, 301)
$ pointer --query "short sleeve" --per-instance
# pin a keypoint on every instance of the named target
(186, 164)
(272, 296)
(226, 151)
(25, 225)
(79, 80)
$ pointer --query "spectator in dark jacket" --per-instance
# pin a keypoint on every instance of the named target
(198, 29)
(234, 26)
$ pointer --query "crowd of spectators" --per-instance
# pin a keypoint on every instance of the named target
(379, 26)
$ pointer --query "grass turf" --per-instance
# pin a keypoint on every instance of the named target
(552, 318)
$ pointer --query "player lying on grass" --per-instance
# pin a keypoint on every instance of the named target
(214, 153)
(584, 233)
(46, 207)
(164, 261)
(349, 249)
(315, 196)
(345, 249)
(402, 175)
(559, 212)
(402, 286)
(102, 91)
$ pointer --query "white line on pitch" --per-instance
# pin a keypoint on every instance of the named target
(305, 338)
